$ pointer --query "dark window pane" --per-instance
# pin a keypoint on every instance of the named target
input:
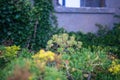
(92, 3)
(63, 4)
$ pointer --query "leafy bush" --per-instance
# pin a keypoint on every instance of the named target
(62, 43)
(44, 56)
(77, 60)
(105, 75)
(25, 53)
(43, 29)
(108, 39)
(15, 21)
(48, 58)
(27, 24)
(85, 62)
(8, 53)
(27, 69)
(15, 69)
(54, 74)
(115, 67)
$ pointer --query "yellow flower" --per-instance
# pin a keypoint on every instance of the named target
(58, 79)
(35, 56)
(44, 56)
(113, 63)
(51, 58)
(110, 69)
(42, 51)
(30, 78)
(73, 69)
(115, 67)
(50, 55)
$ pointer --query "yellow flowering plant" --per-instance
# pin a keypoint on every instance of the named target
(9, 52)
(115, 67)
(48, 58)
(43, 55)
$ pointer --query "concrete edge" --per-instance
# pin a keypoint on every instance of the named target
(85, 10)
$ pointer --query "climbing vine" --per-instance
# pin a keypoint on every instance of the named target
(26, 23)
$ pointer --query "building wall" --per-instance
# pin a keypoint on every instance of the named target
(84, 19)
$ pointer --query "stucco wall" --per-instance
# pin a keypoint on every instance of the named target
(84, 19)
(83, 22)
(113, 3)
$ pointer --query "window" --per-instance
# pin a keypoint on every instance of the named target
(93, 3)
(70, 3)
(82, 3)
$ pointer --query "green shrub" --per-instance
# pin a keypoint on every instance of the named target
(108, 39)
(25, 53)
(20, 68)
(27, 69)
(106, 75)
(53, 74)
(62, 43)
(7, 54)
(27, 24)
(45, 25)
(77, 61)
(85, 62)
(15, 21)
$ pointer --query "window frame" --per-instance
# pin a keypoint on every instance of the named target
(83, 3)
(84, 10)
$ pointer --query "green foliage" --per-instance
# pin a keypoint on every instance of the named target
(87, 39)
(15, 21)
(43, 11)
(105, 75)
(25, 53)
(45, 27)
(84, 62)
(27, 24)
(8, 53)
(109, 39)
(115, 67)
(27, 69)
(77, 60)
(20, 64)
(62, 43)
(53, 74)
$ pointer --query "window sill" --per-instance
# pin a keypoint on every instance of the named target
(85, 10)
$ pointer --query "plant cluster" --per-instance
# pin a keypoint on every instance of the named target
(44, 65)
(34, 68)
(63, 43)
(7, 54)
(115, 67)
(44, 56)
(26, 23)
(106, 39)
(15, 22)
(77, 60)
(64, 59)
(66, 56)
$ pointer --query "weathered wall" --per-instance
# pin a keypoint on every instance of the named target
(84, 19)
(113, 3)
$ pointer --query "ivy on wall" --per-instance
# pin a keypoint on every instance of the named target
(14, 21)
(43, 22)
(26, 24)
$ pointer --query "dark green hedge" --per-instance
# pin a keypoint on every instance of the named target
(15, 21)
(25, 23)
